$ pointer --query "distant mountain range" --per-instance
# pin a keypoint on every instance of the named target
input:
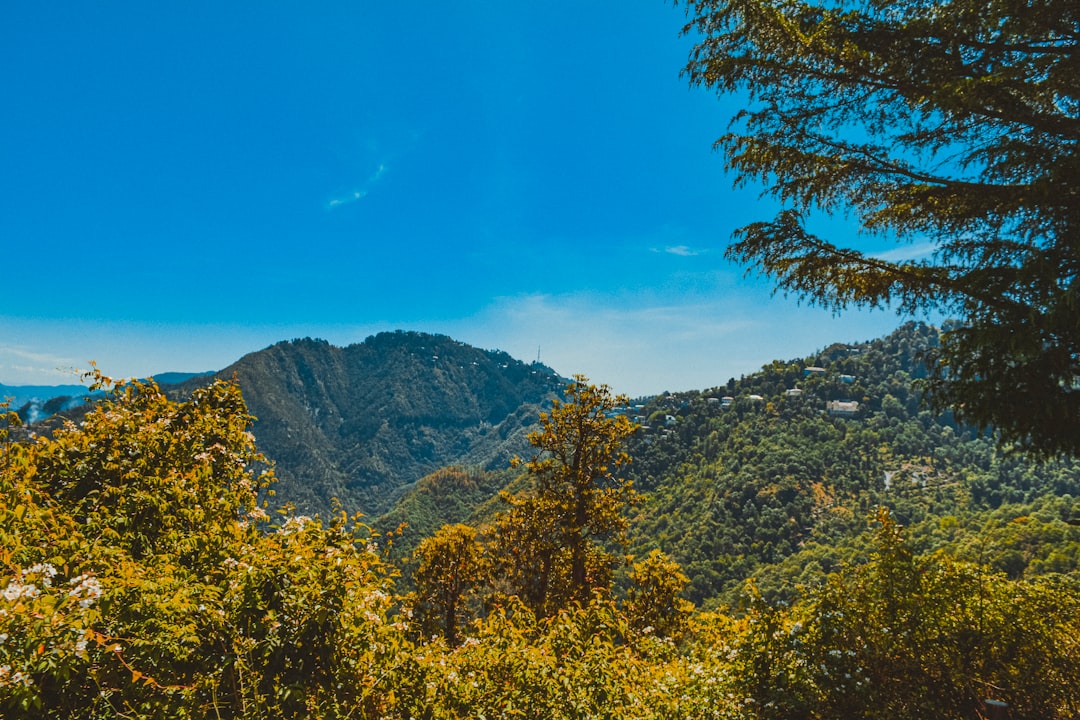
(35, 403)
(770, 475)
(358, 425)
(352, 428)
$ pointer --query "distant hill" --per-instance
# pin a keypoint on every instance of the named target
(774, 474)
(35, 403)
(20, 394)
(360, 424)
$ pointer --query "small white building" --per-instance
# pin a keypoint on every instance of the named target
(842, 408)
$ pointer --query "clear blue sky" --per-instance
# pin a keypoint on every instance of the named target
(182, 183)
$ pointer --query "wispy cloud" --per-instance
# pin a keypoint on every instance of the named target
(640, 345)
(19, 365)
(357, 195)
(34, 357)
(916, 251)
(362, 192)
(680, 250)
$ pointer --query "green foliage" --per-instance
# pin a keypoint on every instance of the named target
(142, 579)
(909, 635)
(654, 604)
(550, 542)
(450, 564)
(950, 122)
(777, 489)
(448, 496)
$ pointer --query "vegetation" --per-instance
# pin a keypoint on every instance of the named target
(144, 579)
(578, 501)
(353, 427)
(955, 123)
(853, 553)
(779, 488)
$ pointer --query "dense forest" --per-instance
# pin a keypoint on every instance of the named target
(780, 478)
(353, 426)
(744, 552)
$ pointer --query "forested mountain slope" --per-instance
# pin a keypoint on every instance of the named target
(775, 474)
(143, 577)
(359, 423)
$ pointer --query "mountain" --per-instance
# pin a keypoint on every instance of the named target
(774, 475)
(360, 424)
(35, 403)
(19, 395)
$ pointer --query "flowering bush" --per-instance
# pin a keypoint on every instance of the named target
(140, 578)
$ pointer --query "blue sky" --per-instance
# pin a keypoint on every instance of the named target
(182, 183)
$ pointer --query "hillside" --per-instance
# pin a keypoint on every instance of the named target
(775, 474)
(363, 422)
(143, 573)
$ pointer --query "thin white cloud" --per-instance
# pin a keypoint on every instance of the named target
(916, 251)
(356, 195)
(361, 193)
(682, 251)
(642, 347)
(38, 358)
(22, 366)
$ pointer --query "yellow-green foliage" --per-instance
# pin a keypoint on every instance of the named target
(142, 580)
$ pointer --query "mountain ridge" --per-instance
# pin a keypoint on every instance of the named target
(356, 425)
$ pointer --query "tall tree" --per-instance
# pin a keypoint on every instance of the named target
(577, 502)
(954, 123)
(450, 564)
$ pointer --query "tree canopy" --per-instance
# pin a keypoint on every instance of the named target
(141, 578)
(552, 538)
(950, 125)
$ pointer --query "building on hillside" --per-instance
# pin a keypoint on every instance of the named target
(842, 408)
(813, 370)
(793, 392)
(847, 379)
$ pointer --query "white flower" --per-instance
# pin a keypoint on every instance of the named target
(13, 591)
(294, 524)
(46, 570)
(86, 589)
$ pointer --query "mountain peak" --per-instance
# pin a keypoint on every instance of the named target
(361, 422)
